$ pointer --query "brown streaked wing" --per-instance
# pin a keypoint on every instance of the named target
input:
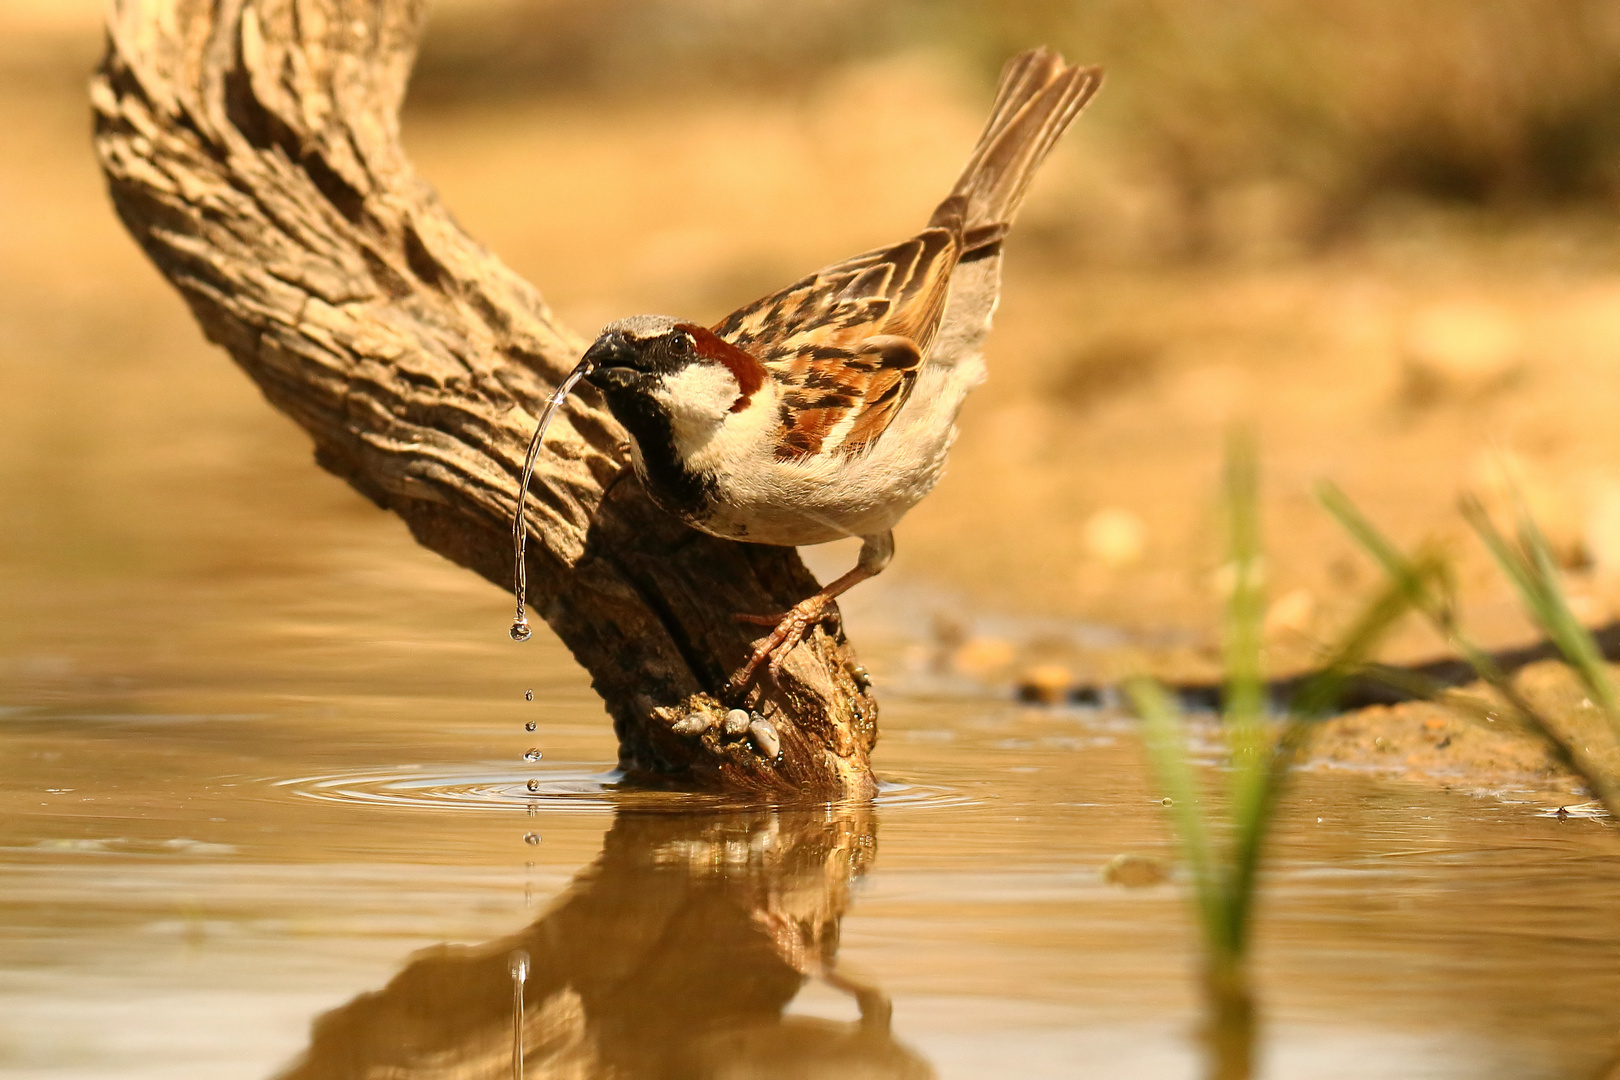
(898, 359)
(850, 338)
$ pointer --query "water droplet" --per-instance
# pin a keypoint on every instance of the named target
(520, 630)
(530, 726)
(519, 966)
(533, 754)
(531, 838)
(534, 785)
(528, 695)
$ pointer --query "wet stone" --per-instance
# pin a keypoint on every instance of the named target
(737, 723)
(692, 725)
(1046, 684)
(1134, 871)
(765, 739)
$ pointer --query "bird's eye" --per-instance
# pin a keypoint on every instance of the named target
(681, 344)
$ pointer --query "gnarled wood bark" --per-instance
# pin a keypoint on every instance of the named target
(252, 148)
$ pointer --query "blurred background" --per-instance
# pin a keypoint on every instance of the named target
(1381, 233)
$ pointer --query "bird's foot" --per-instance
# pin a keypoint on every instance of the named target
(788, 629)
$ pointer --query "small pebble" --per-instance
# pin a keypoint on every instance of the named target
(1290, 614)
(1460, 351)
(737, 723)
(1135, 871)
(1045, 684)
(982, 658)
(691, 725)
(765, 739)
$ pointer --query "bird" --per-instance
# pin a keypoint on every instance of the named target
(825, 410)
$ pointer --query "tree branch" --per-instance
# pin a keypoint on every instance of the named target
(252, 148)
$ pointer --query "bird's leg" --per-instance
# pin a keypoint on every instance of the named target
(790, 626)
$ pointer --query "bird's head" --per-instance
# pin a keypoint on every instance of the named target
(671, 379)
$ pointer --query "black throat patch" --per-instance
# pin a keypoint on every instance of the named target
(676, 489)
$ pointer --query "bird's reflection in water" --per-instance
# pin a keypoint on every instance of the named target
(673, 956)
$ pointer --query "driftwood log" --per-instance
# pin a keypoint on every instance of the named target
(252, 148)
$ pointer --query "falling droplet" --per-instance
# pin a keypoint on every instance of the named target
(520, 532)
(530, 726)
(531, 838)
(519, 966)
(533, 754)
(534, 785)
(528, 695)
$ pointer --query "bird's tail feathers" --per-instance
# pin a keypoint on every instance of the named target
(1039, 95)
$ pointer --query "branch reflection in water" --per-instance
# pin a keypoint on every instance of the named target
(674, 955)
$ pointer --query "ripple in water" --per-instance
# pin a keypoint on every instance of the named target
(554, 789)
(446, 789)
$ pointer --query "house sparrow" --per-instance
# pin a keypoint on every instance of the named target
(825, 410)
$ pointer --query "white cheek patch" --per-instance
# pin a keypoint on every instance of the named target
(698, 398)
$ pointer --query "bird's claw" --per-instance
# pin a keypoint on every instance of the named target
(789, 628)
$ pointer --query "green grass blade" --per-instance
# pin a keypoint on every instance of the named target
(1432, 600)
(1363, 531)
(1535, 575)
(1430, 593)
(1319, 696)
(1244, 718)
(1314, 702)
(1165, 736)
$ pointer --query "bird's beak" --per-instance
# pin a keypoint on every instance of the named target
(610, 362)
